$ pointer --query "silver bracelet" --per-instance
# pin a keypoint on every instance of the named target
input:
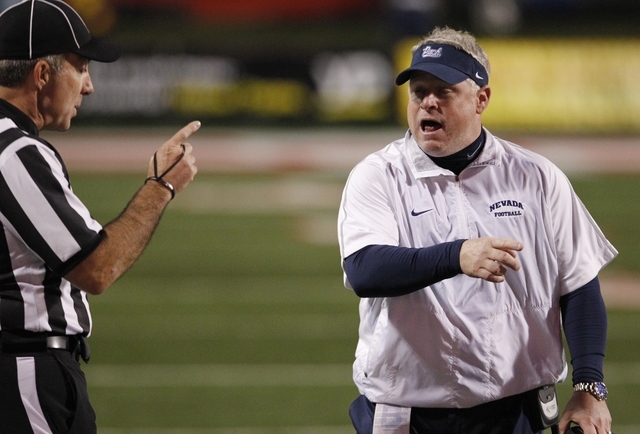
(163, 182)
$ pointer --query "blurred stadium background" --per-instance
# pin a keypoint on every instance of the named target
(235, 319)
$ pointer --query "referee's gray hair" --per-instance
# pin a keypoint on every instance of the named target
(460, 39)
(13, 73)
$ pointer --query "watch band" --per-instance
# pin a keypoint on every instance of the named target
(598, 389)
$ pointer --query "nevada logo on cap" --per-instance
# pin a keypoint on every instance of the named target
(446, 62)
(430, 52)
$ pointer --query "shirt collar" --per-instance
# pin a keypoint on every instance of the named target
(424, 167)
(23, 121)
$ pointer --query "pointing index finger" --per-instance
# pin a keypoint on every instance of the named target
(185, 132)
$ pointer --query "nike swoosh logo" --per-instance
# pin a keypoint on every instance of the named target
(417, 213)
(478, 76)
(471, 155)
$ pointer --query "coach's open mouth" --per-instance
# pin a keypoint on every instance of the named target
(428, 126)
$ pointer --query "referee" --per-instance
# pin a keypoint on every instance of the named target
(52, 252)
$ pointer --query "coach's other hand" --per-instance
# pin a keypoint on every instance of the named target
(488, 258)
(583, 409)
(170, 153)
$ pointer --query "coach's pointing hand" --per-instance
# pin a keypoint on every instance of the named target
(174, 163)
(488, 258)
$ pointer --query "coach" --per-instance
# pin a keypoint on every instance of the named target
(52, 253)
(470, 255)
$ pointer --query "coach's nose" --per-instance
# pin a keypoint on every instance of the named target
(429, 101)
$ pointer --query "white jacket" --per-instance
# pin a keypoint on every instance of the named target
(465, 341)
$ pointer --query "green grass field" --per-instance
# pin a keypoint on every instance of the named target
(235, 320)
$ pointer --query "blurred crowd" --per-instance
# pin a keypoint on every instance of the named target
(407, 17)
(333, 61)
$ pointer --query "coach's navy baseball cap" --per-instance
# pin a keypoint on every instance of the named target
(36, 28)
(446, 62)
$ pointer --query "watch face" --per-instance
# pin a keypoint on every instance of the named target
(601, 390)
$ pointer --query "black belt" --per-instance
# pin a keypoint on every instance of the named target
(31, 342)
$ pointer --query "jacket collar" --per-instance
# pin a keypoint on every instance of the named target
(423, 167)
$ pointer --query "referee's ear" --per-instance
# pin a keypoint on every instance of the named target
(42, 73)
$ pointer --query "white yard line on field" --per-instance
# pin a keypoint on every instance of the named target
(619, 429)
(281, 375)
(215, 375)
(244, 430)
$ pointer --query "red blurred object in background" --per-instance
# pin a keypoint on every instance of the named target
(252, 10)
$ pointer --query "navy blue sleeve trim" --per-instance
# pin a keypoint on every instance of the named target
(584, 318)
(391, 271)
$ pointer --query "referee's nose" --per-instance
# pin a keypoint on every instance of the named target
(87, 85)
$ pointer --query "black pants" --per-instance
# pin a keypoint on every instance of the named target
(44, 392)
(512, 415)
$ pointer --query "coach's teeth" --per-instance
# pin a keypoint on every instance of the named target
(427, 125)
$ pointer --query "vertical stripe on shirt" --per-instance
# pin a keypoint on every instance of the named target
(29, 395)
(53, 300)
(11, 301)
(81, 307)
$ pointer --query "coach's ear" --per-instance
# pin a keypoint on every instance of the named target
(484, 94)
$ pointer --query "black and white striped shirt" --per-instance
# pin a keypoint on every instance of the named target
(45, 231)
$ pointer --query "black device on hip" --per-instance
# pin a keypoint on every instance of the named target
(548, 405)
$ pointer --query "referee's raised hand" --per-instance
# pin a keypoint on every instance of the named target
(173, 165)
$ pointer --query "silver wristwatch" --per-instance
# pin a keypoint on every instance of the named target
(598, 390)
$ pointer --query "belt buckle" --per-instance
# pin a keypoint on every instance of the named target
(77, 345)
(58, 342)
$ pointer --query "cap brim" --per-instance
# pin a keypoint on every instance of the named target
(100, 50)
(443, 72)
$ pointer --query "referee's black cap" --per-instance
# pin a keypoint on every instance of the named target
(36, 28)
